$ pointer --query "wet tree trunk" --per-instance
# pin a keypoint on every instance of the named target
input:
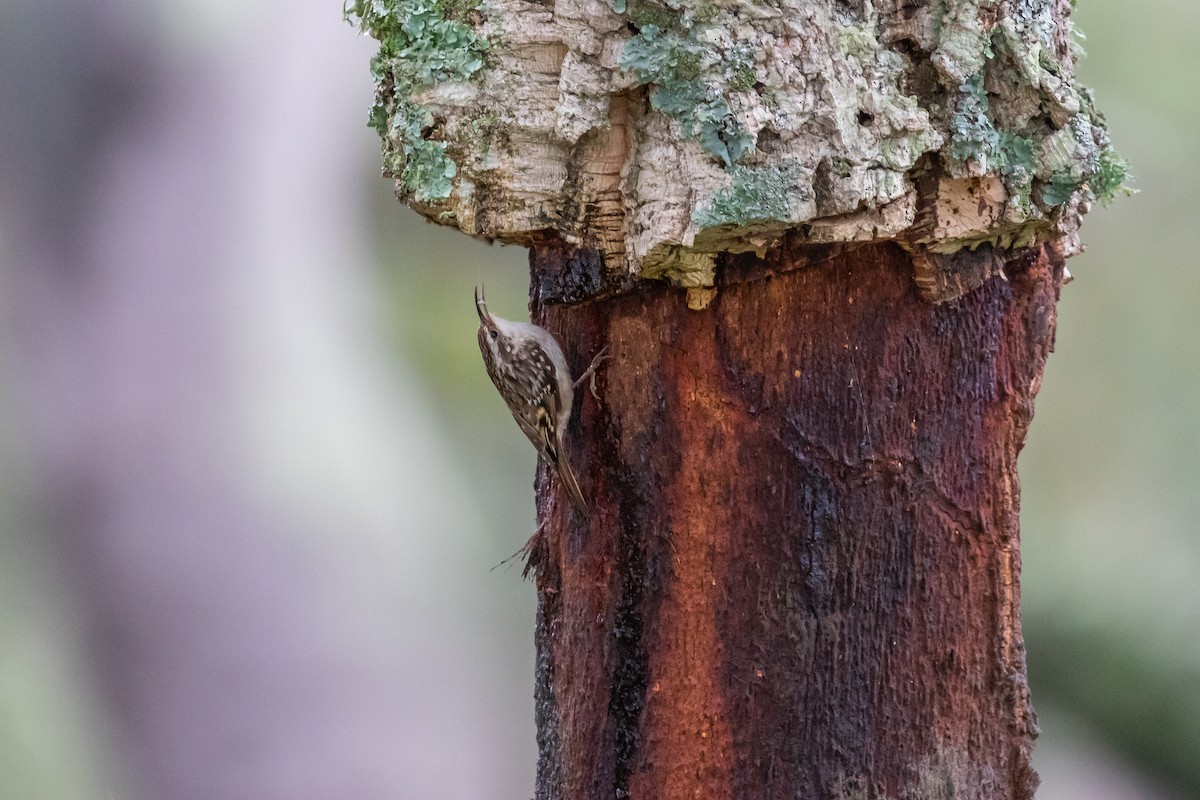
(801, 575)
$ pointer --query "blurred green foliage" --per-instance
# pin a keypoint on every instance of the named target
(1111, 511)
(430, 274)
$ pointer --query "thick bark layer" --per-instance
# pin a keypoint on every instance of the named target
(663, 134)
(801, 574)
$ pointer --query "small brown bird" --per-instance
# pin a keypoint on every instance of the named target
(529, 368)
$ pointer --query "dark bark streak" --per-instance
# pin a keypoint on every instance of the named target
(800, 579)
(627, 696)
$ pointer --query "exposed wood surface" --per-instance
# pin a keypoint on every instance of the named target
(801, 574)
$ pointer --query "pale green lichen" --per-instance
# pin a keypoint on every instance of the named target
(679, 67)
(642, 13)
(1059, 188)
(1111, 176)
(422, 166)
(1102, 180)
(421, 43)
(973, 136)
(1036, 19)
(1077, 157)
(1070, 168)
(1080, 158)
(975, 140)
(777, 192)
(1019, 57)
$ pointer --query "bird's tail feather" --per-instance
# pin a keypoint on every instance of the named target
(572, 486)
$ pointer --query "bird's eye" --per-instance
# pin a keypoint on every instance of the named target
(494, 334)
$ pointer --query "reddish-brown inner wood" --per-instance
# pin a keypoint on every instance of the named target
(801, 574)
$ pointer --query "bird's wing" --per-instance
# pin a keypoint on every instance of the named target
(539, 419)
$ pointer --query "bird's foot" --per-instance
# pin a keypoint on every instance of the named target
(590, 372)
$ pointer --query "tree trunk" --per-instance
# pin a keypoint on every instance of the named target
(800, 579)
(800, 576)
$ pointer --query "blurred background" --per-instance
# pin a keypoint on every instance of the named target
(255, 479)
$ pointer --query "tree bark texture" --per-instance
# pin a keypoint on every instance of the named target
(661, 135)
(800, 579)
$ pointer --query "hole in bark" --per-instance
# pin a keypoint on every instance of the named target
(921, 79)
(760, 88)
(865, 118)
(434, 129)
(767, 141)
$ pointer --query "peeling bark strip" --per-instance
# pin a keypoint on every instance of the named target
(801, 577)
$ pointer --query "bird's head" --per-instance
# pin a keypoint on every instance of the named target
(492, 330)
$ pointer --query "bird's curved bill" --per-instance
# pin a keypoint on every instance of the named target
(481, 305)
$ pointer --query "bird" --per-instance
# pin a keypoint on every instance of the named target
(528, 367)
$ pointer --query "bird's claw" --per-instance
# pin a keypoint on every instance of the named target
(590, 372)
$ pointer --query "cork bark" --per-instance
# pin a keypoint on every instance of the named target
(801, 574)
(661, 135)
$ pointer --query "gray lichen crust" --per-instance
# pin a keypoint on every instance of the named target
(663, 133)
